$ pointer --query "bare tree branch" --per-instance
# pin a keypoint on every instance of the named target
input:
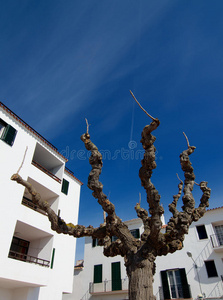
(145, 173)
(87, 131)
(204, 201)
(179, 224)
(188, 144)
(142, 107)
(58, 224)
(114, 224)
(22, 161)
(112, 249)
(173, 205)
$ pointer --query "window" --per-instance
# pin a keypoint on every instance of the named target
(94, 242)
(97, 273)
(219, 234)
(174, 284)
(201, 230)
(65, 186)
(135, 233)
(7, 133)
(18, 248)
(211, 269)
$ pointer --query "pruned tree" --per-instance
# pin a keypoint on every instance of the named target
(139, 254)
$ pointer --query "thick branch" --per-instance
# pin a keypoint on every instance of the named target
(179, 224)
(204, 202)
(113, 248)
(58, 224)
(93, 180)
(173, 205)
(114, 224)
(145, 173)
(143, 215)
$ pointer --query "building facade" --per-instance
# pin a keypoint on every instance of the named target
(195, 270)
(35, 262)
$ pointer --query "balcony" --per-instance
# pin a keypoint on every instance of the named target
(28, 203)
(109, 287)
(29, 258)
(48, 163)
(31, 245)
(36, 164)
(217, 242)
(46, 195)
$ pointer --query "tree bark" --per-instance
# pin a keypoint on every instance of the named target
(140, 274)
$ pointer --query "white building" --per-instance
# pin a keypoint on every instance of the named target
(178, 275)
(35, 262)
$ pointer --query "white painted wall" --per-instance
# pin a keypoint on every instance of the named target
(18, 279)
(201, 250)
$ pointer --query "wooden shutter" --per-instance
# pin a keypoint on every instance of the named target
(52, 259)
(185, 286)
(116, 276)
(97, 273)
(165, 285)
(9, 135)
(65, 186)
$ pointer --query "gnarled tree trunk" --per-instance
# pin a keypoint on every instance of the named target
(140, 274)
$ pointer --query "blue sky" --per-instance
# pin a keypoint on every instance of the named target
(64, 61)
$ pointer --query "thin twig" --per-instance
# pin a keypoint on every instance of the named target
(22, 161)
(196, 183)
(142, 107)
(179, 178)
(87, 124)
(139, 198)
(104, 216)
(188, 144)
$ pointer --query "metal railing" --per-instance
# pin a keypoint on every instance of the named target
(28, 203)
(216, 240)
(109, 286)
(36, 164)
(217, 291)
(29, 258)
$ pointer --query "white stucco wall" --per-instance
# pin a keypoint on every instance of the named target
(201, 250)
(29, 281)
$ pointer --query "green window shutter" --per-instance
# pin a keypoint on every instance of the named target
(116, 276)
(52, 259)
(185, 286)
(97, 273)
(9, 135)
(165, 285)
(65, 186)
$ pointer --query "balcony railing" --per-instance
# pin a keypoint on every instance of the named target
(29, 258)
(217, 240)
(36, 164)
(109, 286)
(27, 202)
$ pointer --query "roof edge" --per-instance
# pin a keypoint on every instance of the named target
(23, 123)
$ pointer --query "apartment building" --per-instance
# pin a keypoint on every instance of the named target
(35, 262)
(196, 270)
